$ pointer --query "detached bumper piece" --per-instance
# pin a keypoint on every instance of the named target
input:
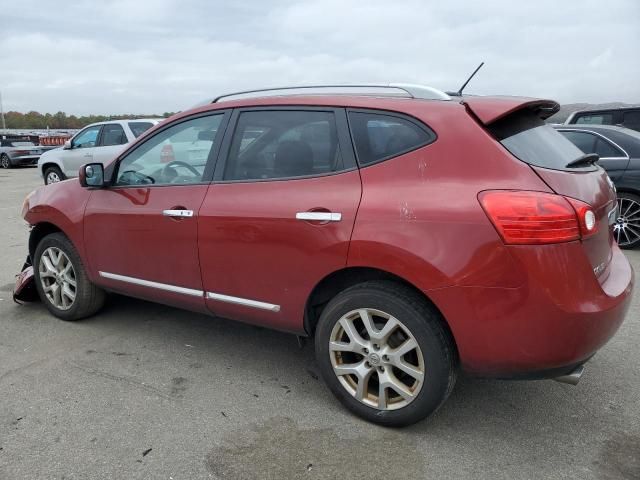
(25, 287)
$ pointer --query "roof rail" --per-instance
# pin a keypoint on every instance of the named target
(402, 90)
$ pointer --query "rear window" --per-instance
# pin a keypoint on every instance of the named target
(531, 140)
(379, 136)
(138, 128)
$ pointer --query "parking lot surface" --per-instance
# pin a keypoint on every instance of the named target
(147, 391)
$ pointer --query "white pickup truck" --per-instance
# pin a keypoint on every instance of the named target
(98, 142)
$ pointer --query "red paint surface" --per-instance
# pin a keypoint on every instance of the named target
(511, 309)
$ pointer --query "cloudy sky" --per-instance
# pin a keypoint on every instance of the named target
(152, 56)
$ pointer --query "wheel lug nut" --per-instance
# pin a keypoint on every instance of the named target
(375, 346)
(381, 368)
(366, 350)
(367, 364)
(385, 358)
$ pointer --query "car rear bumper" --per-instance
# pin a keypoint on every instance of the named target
(557, 319)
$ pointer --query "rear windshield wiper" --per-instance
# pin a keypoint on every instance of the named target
(583, 161)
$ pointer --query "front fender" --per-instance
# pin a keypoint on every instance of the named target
(59, 205)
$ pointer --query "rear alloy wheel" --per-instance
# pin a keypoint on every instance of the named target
(52, 175)
(627, 226)
(5, 161)
(385, 354)
(61, 280)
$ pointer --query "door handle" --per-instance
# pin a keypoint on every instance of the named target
(177, 213)
(319, 216)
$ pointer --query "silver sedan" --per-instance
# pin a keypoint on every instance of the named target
(18, 152)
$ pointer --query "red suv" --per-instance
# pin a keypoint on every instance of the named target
(413, 234)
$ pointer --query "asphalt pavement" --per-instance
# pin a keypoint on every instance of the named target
(143, 391)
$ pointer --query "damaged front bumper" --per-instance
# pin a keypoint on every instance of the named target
(25, 287)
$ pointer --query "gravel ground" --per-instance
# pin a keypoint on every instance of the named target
(146, 391)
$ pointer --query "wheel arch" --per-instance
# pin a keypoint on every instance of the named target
(339, 280)
(38, 232)
(50, 163)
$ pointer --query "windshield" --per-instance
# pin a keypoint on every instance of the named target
(534, 142)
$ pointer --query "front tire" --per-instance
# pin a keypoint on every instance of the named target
(53, 175)
(5, 161)
(62, 281)
(385, 354)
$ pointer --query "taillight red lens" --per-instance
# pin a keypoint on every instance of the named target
(524, 217)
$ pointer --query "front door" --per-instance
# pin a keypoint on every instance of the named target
(278, 217)
(141, 233)
(81, 151)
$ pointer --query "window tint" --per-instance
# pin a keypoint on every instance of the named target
(379, 136)
(631, 119)
(112, 134)
(138, 128)
(583, 140)
(534, 142)
(596, 119)
(177, 155)
(605, 149)
(281, 144)
(87, 138)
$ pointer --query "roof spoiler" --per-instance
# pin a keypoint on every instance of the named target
(491, 109)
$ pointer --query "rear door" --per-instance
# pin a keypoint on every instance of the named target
(81, 151)
(278, 217)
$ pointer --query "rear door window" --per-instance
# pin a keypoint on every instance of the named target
(631, 119)
(583, 140)
(531, 140)
(379, 136)
(271, 144)
(138, 128)
(112, 134)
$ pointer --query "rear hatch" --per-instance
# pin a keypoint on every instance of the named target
(518, 124)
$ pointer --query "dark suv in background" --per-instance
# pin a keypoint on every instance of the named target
(619, 152)
(628, 117)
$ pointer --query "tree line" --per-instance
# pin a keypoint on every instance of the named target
(38, 121)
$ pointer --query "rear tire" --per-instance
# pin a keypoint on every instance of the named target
(627, 227)
(5, 161)
(387, 387)
(61, 280)
(53, 175)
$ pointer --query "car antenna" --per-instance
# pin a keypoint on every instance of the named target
(459, 92)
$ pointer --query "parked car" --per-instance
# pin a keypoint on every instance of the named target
(98, 142)
(628, 117)
(619, 152)
(413, 234)
(18, 152)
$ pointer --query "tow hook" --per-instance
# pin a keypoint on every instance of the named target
(571, 378)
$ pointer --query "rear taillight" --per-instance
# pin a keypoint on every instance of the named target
(525, 217)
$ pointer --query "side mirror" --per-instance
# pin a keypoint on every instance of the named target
(67, 145)
(91, 175)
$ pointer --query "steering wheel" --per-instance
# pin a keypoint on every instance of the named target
(138, 178)
(178, 163)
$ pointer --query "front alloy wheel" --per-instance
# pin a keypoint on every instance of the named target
(627, 226)
(376, 359)
(58, 278)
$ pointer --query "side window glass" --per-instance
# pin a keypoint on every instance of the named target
(599, 119)
(138, 128)
(584, 141)
(605, 149)
(87, 138)
(378, 136)
(631, 119)
(282, 144)
(177, 155)
(112, 134)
